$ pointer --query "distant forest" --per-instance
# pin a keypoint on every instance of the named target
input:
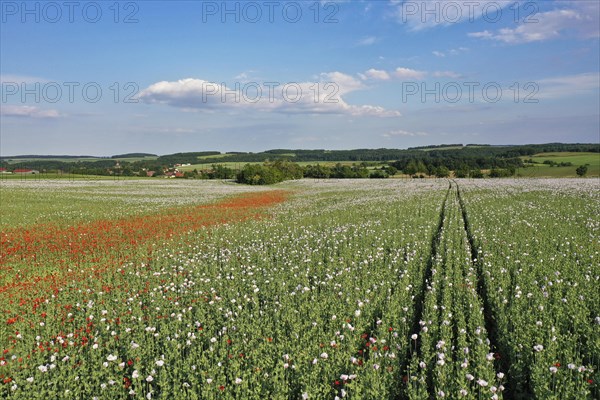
(419, 160)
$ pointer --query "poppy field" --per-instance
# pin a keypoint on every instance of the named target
(327, 289)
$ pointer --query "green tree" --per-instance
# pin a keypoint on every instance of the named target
(476, 173)
(421, 167)
(431, 170)
(462, 171)
(582, 170)
(442, 172)
(317, 171)
(221, 172)
(411, 168)
(391, 170)
(269, 173)
(289, 169)
(378, 174)
(496, 173)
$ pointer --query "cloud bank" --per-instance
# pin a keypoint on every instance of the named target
(322, 97)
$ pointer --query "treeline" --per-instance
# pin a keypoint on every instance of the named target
(438, 146)
(282, 170)
(269, 173)
(134, 155)
(100, 167)
(474, 155)
(186, 158)
(429, 160)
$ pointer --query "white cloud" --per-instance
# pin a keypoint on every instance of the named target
(458, 50)
(407, 73)
(367, 41)
(246, 76)
(451, 52)
(570, 85)
(376, 74)
(8, 110)
(446, 74)
(400, 132)
(580, 20)
(345, 82)
(323, 97)
(482, 35)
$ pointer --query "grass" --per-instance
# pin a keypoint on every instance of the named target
(577, 159)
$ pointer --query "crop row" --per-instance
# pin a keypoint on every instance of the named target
(452, 355)
(538, 258)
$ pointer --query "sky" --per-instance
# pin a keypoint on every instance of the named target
(106, 77)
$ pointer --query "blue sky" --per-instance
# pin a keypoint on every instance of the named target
(162, 77)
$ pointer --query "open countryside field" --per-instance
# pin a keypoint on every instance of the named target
(377, 289)
(577, 159)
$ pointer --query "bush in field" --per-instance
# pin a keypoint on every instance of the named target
(289, 170)
(477, 174)
(269, 173)
(442, 172)
(582, 170)
(501, 173)
(317, 171)
(391, 170)
(378, 174)
(259, 175)
(411, 168)
(462, 171)
(221, 172)
(345, 171)
(339, 171)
